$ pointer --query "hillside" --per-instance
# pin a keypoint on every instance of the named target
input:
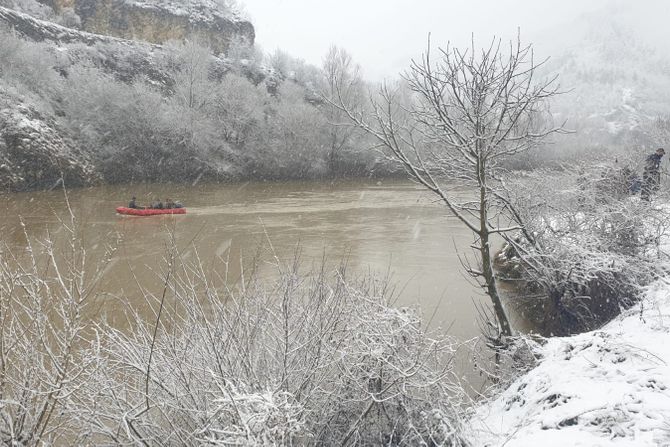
(127, 110)
(39, 144)
(616, 76)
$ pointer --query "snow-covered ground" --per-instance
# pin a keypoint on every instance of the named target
(609, 387)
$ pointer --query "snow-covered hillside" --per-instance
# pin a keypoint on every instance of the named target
(609, 387)
(615, 73)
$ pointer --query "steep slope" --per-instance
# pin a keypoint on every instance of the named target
(36, 148)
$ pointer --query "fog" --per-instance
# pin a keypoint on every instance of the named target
(384, 35)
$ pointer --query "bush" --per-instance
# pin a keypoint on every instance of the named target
(589, 249)
(137, 134)
(29, 67)
(299, 362)
(47, 349)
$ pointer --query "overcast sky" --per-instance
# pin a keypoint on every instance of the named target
(383, 35)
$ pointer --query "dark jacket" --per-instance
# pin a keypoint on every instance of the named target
(653, 163)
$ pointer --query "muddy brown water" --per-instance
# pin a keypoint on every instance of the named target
(388, 228)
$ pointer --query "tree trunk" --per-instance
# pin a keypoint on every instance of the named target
(485, 251)
(491, 286)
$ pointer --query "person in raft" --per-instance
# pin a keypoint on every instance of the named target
(157, 204)
(132, 203)
(169, 203)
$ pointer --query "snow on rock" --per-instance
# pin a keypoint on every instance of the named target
(213, 23)
(609, 387)
(200, 10)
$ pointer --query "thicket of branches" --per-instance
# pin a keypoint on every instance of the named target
(309, 359)
(589, 245)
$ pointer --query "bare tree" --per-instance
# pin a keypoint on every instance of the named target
(342, 79)
(238, 107)
(47, 345)
(464, 115)
(192, 84)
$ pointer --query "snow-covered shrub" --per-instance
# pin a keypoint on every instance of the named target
(27, 66)
(291, 141)
(303, 360)
(241, 418)
(589, 246)
(135, 132)
(205, 124)
(306, 360)
(47, 348)
(239, 108)
(244, 55)
(183, 111)
(294, 69)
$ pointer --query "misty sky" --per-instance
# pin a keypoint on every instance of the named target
(383, 35)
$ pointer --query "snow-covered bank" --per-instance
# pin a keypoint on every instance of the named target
(601, 388)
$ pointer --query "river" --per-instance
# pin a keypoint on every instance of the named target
(390, 228)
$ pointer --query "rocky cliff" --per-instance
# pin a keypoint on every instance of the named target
(159, 21)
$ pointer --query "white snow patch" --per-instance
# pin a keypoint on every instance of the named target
(200, 10)
(609, 387)
(626, 95)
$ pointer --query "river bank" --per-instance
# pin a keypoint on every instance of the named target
(600, 388)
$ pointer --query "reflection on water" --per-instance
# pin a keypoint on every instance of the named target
(389, 227)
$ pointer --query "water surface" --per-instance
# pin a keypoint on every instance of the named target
(392, 229)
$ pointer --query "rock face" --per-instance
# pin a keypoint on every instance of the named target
(125, 59)
(159, 21)
(35, 153)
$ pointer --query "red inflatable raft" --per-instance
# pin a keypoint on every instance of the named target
(148, 211)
